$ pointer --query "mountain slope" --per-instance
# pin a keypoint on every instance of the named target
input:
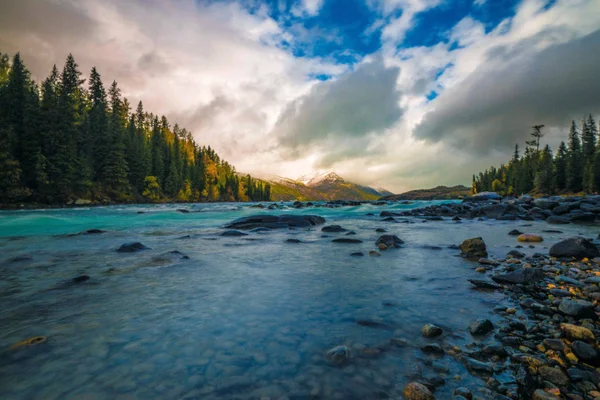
(436, 193)
(328, 186)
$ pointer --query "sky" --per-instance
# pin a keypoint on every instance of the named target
(400, 94)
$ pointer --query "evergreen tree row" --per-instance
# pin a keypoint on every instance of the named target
(63, 140)
(574, 168)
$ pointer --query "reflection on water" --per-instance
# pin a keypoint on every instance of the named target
(243, 317)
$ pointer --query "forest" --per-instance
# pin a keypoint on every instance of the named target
(575, 168)
(69, 139)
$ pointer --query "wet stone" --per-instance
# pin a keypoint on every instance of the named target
(133, 247)
(481, 327)
(430, 330)
(417, 391)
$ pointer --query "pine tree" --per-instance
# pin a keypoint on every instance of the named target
(574, 161)
(544, 177)
(560, 166)
(115, 173)
(99, 143)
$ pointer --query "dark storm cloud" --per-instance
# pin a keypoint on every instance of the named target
(28, 26)
(359, 104)
(516, 88)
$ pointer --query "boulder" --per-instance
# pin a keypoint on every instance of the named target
(481, 327)
(484, 284)
(545, 204)
(389, 241)
(338, 355)
(554, 375)
(562, 209)
(582, 217)
(233, 233)
(586, 353)
(276, 221)
(484, 196)
(530, 238)
(430, 330)
(515, 232)
(577, 308)
(521, 275)
(576, 247)
(493, 211)
(346, 240)
(473, 248)
(333, 228)
(417, 391)
(131, 247)
(574, 332)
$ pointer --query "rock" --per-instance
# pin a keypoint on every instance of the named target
(389, 241)
(545, 204)
(374, 253)
(275, 222)
(493, 211)
(93, 231)
(346, 240)
(131, 247)
(338, 355)
(481, 327)
(574, 332)
(477, 366)
(484, 196)
(82, 202)
(357, 254)
(556, 220)
(515, 232)
(554, 375)
(382, 247)
(487, 261)
(530, 237)
(80, 279)
(34, 341)
(577, 308)
(233, 233)
(586, 353)
(183, 210)
(374, 324)
(473, 248)
(484, 284)
(521, 275)
(554, 344)
(464, 392)
(515, 254)
(19, 259)
(333, 228)
(432, 348)
(576, 247)
(581, 217)
(417, 391)
(539, 394)
(430, 330)
(293, 241)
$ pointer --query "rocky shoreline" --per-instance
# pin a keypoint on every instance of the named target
(547, 344)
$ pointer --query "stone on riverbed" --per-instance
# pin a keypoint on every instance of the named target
(576, 247)
(577, 308)
(481, 327)
(417, 391)
(346, 240)
(233, 233)
(530, 238)
(338, 355)
(586, 353)
(554, 375)
(522, 275)
(473, 248)
(276, 221)
(484, 284)
(333, 228)
(515, 232)
(389, 241)
(430, 330)
(574, 332)
(556, 220)
(132, 247)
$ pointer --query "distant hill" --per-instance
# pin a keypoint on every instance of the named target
(328, 186)
(436, 193)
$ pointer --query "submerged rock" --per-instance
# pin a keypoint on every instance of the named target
(132, 247)
(346, 240)
(515, 232)
(417, 391)
(484, 284)
(293, 241)
(233, 233)
(473, 248)
(430, 330)
(576, 247)
(530, 237)
(333, 228)
(275, 221)
(338, 355)
(481, 327)
(389, 241)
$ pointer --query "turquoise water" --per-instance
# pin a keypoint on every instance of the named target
(244, 317)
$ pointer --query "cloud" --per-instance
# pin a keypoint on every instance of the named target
(516, 88)
(342, 113)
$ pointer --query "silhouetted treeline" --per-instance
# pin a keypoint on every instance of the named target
(69, 138)
(574, 168)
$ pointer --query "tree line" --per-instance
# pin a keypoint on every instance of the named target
(63, 140)
(574, 168)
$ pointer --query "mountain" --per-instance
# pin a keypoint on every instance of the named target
(327, 186)
(436, 193)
